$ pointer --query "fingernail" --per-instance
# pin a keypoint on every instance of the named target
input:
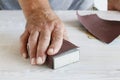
(39, 60)
(50, 51)
(33, 61)
(24, 55)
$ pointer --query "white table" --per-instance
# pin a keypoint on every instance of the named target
(98, 61)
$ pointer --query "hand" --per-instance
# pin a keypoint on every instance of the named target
(114, 5)
(43, 35)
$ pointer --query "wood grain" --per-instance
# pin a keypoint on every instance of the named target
(98, 61)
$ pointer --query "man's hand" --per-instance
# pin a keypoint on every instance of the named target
(44, 35)
(114, 5)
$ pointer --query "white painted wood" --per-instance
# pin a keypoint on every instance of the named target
(98, 61)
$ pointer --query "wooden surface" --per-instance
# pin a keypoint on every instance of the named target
(98, 61)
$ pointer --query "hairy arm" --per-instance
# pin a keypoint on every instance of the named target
(28, 6)
(114, 5)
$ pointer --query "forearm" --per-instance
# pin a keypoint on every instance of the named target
(110, 4)
(29, 6)
(114, 5)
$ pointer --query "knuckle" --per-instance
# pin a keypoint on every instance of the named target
(46, 27)
(45, 35)
(31, 40)
(58, 33)
(45, 38)
(59, 25)
(57, 38)
(59, 29)
(40, 52)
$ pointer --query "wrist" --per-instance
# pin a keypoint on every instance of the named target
(29, 6)
(111, 4)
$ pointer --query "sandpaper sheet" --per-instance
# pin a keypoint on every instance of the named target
(104, 30)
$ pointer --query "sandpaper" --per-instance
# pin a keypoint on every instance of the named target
(67, 48)
(104, 30)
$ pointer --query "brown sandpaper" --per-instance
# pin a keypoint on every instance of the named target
(104, 30)
(66, 46)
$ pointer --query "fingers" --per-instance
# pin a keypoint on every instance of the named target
(33, 39)
(23, 44)
(57, 40)
(43, 44)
